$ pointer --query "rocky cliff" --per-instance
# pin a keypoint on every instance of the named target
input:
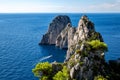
(65, 37)
(84, 32)
(55, 27)
(85, 54)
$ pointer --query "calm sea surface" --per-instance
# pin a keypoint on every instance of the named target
(21, 33)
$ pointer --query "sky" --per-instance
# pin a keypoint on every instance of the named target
(59, 6)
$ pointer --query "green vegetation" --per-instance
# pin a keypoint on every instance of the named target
(62, 75)
(77, 51)
(80, 42)
(99, 77)
(43, 70)
(97, 45)
(44, 78)
(71, 63)
(85, 54)
(81, 63)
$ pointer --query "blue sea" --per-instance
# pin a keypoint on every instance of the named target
(21, 33)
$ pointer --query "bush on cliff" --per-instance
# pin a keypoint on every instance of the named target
(99, 77)
(97, 45)
(43, 70)
(62, 75)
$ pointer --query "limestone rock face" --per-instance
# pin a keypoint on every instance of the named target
(72, 73)
(55, 27)
(84, 27)
(83, 63)
(84, 31)
(64, 37)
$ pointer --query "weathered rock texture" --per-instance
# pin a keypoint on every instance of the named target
(65, 36)
(82, 60)
(83, 63)
(84, 31)
(55, 27)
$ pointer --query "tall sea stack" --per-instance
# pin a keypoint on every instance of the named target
(55, 27)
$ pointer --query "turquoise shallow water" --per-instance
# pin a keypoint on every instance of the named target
(21, 33)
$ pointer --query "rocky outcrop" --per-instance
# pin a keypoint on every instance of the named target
(65, 36)
(62, 39)
(56, 67)
(83, 61)
(55, 27)
(85, 54)
(84, 27)
(85, 31)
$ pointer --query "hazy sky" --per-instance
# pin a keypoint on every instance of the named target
(65, 6)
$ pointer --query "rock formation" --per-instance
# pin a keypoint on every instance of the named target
(84, 62)
(55, 27)
(65, 36)
(85, 31)
(85, 54)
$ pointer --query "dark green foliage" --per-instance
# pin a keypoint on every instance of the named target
(44, 78)
(71, 62)
(99, 77)
(62, 75)
(78, 51)
(81, 63)
(85, 54)
(43, 70)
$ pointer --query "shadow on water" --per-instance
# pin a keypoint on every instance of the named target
(51, 53)
(57, 53)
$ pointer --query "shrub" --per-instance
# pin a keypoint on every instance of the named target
(77, 51)
(43, 70)
(81, 63)
(99, 77)
(44, 78)
(71, 63)
(85, 54)
(96, 45)
(62, 75)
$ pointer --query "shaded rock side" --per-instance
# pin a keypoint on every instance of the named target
(55, 27)
(64, 37)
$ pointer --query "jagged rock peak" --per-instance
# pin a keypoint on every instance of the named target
(84, 21)
(84, 32)
(62, 39)
(84, 27)
(55, 27)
